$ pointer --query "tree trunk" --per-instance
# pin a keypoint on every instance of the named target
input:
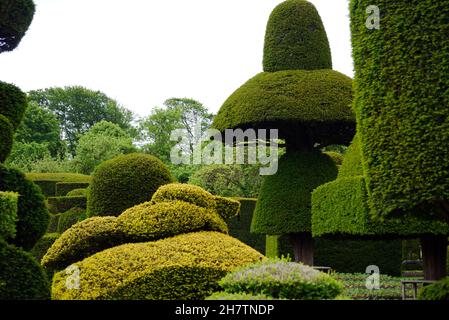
(434, 252)
(303, 247)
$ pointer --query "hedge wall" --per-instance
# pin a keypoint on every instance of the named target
(63, 204)
(63, 188)
(47, 181)
(401, 101)
(69, 218)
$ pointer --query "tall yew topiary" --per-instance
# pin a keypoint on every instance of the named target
(309, 104)
(401, 104)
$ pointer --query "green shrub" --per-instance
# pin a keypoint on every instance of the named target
(69, 218)
(82, 240)
(226, 207)
(63, 188)
(296, 39)
(33, 217)
(401, 99)
(337, 157)
(13, 102)
(237, 296)
(63, 204)
(77, 193)
(15, 18)
(6, 138)
(53, 225)
(21, 277)
(47, 181)
(436, 291)
(124, 182)
(352, 164)
(184, 267)
(44, 243)
(8, 214)
(284, 204)
(282, 279)
(318, 102)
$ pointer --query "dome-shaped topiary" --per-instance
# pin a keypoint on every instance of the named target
(33, 216)
(296, 39)
(15, 18)
(6, 137)
(124, 182)
(13, 103)
(284, 203)
(185, 267)
(21, 277)
(306, 107)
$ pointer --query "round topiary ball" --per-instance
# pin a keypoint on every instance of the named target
(13, 103)
(6, 137)
(33, 216)
(124, 182)
(21, 276)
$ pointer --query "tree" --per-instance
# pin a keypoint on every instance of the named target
(310, 106)
(78, 109)
(104, 141)
(25, 154)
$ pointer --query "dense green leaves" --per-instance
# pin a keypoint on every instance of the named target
(8, 214)
(6, 137)
(15, 18)
(13, 103)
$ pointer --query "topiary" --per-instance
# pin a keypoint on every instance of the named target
(77, 193)
(337, 157)
(15, 18)
(436, 291)
(227, 207)
(8, 214)
(33, 216)
(21, 277)
(69, 218)
(6, 137)
(184, 267)
(296, 39)
(124, 182)
(282, 279)
(13, 102)
(64, 204)
(40, 248)
(237, 296)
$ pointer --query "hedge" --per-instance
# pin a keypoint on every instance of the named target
(47, 181)
(296, 39)
(352, 164)
(282, 279)
(13, 102)
(69, 218)
(44, 243)
(63, 204)
(15, 18)
(237, 296)
(284, 203)
(6, 137)
(184, 267)
(77, 193)
(63, 188)
(401, 99)
(337, 157)
(33, 216)
(125, 181)
(21, 277)
(318, 103)
(53, 225)
(436, 291)
(8, 214)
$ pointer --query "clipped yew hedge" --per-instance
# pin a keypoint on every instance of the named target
(8, 214)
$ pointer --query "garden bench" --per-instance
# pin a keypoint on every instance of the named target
(414, 283)
(324, 269)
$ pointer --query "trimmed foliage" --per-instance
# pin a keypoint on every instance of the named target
(53, 225)
(44, 243)
(63, 188)
(15, 18)
(295, 38)
(352, 164)
(21, 277)
(285, 198)
(69, 218)
(6, 137)
(437, 291)
(186, 267)
(124, 182)
(77, 193)
(318, 102)
(237, 296)
(401, 99)
(33, 216)
(8, 214)
(47, 181)
(337, 157)
(13, 103)
(226, 207)
(282, 279)
(63, 204)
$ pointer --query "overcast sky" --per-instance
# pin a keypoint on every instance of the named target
(141, 52)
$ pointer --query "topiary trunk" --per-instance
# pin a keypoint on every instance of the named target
(303, 247)
(434, 251)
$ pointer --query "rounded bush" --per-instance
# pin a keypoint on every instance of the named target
(226, 207)
(8, 214)
(40, 248)
(237, 296)
(69, 218)
(15, 19)
(21, 277)
(184, 267)
(337, 157)
(281, 279)
(6, 137)
(77, 193)
(33, 216)
(284, 203)
(296, 39)
(316, 109)
(436, 291)
(13, 102)
(124, 182)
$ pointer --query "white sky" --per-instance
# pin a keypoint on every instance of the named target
(142, 52)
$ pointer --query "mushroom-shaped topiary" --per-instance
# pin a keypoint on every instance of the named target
(309, 104)
(125, 181)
